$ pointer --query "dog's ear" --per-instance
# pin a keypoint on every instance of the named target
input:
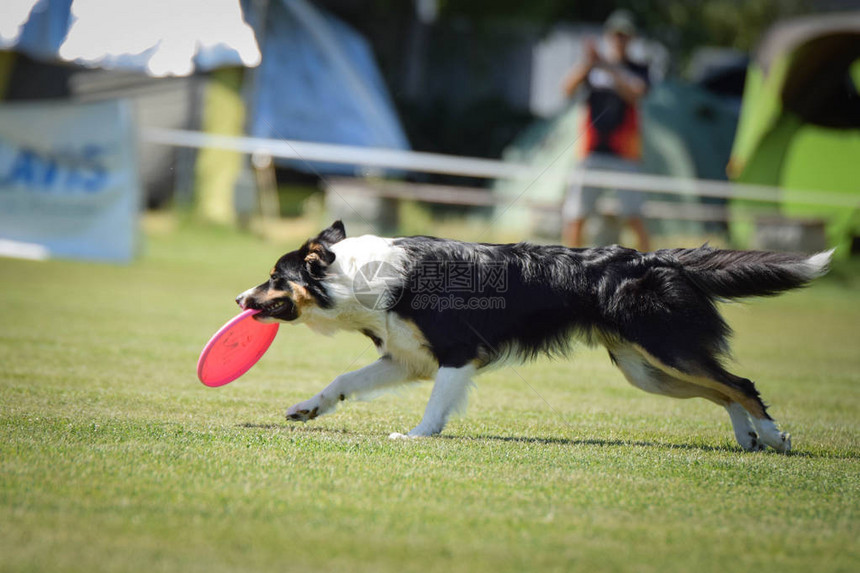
(332, 235)
(317, 257)
(316, 252)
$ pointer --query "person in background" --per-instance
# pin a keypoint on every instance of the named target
(611, 139)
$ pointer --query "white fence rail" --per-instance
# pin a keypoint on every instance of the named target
(488, 168)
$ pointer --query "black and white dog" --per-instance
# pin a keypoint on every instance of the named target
(447, 310)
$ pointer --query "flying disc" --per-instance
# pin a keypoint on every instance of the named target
(236, 347)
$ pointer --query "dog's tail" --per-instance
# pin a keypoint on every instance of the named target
(734, 274)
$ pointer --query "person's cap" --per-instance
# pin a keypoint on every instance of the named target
(622, 22)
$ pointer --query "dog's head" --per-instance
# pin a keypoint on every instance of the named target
(296, 281)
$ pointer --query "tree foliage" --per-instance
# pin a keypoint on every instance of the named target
(682, 25)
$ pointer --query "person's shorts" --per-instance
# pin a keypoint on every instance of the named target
(581, 200)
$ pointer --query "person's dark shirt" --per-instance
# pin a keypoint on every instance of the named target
(612, 124)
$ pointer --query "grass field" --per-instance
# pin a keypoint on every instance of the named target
(113, 457)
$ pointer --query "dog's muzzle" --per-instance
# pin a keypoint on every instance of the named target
(282, 308)
(242, 299)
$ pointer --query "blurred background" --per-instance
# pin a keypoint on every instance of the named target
(274, 117)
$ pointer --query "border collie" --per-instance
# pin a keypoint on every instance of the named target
(448, 310)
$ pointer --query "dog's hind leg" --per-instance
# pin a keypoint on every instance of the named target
(765, 427)
(450, 391)
(740, 393)
(644, 376)
(641, 374)
(383, 373)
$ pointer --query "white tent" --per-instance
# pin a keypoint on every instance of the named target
(160, 38)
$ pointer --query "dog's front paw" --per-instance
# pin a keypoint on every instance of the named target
(303, 411)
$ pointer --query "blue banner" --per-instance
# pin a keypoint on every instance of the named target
(69, 185)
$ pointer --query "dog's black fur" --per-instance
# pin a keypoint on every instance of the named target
(663, 300)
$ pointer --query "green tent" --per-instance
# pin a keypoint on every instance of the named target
(800, 123)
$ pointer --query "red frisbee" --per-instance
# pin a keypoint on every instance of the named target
(236, 347)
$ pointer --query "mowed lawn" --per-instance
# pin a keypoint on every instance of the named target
(113, 457)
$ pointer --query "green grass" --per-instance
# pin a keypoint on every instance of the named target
(113, 457)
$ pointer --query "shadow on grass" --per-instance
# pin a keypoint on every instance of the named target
(598, 442)
(294, 427)
(649, 444)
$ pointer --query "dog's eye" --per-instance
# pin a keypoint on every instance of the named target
(278, 283)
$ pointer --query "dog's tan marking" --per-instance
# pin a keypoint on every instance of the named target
(271, 294)
(301, 297)
(314, 251)
(701, 379)
(644, 376)
(272, 272)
